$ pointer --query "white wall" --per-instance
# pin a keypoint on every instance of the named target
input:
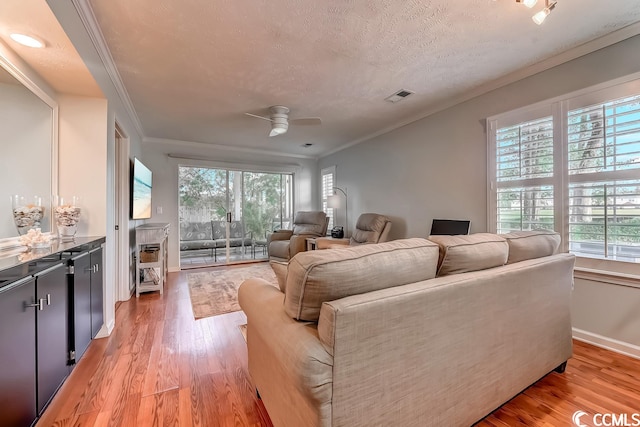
(25, 147)
(83, 159)
(116, 110)
(437, 167)
(165, 178)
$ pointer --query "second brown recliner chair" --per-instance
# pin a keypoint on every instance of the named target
(370, 228)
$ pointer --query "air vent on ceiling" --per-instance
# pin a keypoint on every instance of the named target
(399, 95)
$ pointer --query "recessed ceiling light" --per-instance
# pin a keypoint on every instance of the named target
(26, 40)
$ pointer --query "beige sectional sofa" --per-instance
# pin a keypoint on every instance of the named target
(412, 332)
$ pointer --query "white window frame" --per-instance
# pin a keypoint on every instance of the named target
(559, 107)
(331, 170)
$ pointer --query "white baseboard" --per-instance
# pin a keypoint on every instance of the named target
(106, 329)
(607, 343)
(173, 269)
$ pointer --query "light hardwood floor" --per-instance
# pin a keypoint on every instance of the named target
(160, 367)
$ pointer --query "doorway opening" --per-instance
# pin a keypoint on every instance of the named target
(122, 231)
(226, 215)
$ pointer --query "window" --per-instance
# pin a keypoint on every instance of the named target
(603, 142)
(328, 179)
(572, 165)
(524, 175)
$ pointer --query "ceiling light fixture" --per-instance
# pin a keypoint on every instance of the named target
(539, 17)
(528, 3)
(27, 40)
(279, 120)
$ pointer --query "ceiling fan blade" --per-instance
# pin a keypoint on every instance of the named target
(259, 117)
(306, 121)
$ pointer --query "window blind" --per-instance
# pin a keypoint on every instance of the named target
(525, 150)
(604, 204)
(328, 178)
(524, 175)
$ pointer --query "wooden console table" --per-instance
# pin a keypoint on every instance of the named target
(151, 257)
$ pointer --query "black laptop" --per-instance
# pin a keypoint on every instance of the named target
(449, 227)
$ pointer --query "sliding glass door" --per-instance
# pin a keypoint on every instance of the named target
(226, 215)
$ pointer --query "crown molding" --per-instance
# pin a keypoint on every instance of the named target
(566, 56)
(90, 23)
(195, 144)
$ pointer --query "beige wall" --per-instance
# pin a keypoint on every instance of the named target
(437, 168)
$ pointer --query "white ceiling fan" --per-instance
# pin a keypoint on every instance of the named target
(279, 118)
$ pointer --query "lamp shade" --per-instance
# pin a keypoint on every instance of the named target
(333, 201)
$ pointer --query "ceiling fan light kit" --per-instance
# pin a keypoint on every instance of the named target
(539, 17)
(279, 118)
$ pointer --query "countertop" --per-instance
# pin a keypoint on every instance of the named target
(19, 263)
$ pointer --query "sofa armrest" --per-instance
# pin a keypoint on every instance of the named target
(288, 365)
(280, 235)
(298, 243)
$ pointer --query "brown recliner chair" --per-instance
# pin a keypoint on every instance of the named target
(284, 244)
(370, 228)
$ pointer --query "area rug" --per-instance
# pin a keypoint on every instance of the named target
(215, 291)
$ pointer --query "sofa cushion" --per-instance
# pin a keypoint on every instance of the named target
(195, 231)
(312, 223)
(369, 228)
(314, 277)
(525, 245)
(460, 254)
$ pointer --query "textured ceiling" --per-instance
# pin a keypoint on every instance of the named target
(192, 68)
(59, 64)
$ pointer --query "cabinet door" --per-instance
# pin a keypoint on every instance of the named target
(18, 354)
(97, 317)
(51, 326)
(81, 293)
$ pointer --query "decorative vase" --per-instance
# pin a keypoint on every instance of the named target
(67, 214)
(27, 212)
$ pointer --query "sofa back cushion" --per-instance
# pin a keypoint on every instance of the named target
(313, 223)
(314, 277)
(369, 228)
(525, 245)
(460, 254)
(195, 230)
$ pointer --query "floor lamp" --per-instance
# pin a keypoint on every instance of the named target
(333, 202)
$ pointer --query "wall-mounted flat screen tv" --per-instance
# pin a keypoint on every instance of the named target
(140, 191)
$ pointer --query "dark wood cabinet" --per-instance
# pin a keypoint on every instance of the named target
(50, 306)
(51, 332)
(18, 353)
(85, 289)
(80, 297)
(97, 317)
